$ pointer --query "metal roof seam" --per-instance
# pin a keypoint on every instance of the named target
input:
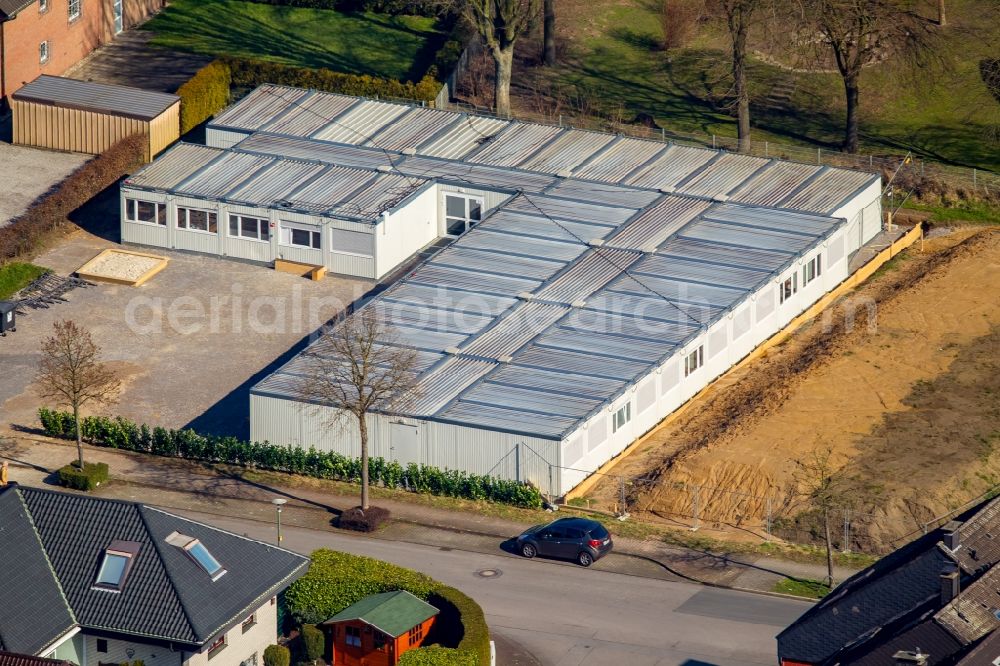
(357, 104)
(699, 171)
(603, 150)
(801, 186)
(490, 139)
(437, 134)
(542, 145)
(287, 111)
(855, 193)
(758, 171)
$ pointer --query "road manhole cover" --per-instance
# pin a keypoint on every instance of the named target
(489, 573)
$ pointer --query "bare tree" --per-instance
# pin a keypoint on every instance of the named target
(862, 32)
(824, 485)
(942, 19)
(357, 368)
(738, 15)
(549, 33)
(71, 373)
(500, 23)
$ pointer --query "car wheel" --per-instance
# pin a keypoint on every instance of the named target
(585, 559)
(528, 550)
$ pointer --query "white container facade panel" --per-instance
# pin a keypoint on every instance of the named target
(197, 241)
(253, 250)
(219, 137)
(403, 232)
(141, 233)
(352, 265)
(301, 254)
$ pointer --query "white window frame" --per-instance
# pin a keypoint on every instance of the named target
(622, 416)
(183, 221)
(43, 52)
(694, 360)
(43, 6)
(132, 212)
(315, 235)
(248, 624)
(217, 646)
(263, 224)
(466, 218)
(75, 8)
(812, 270)
(788, 288)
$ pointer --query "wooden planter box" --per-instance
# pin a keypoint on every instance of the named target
(297, 268)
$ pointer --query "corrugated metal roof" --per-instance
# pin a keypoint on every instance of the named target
(174, 166)
(96, 97)
(514, 144)
(828, 191)
(447, 380)
(590, 273)
(411, 129)
(275, 182)
(223, 174)
(774, 183)
(656, 223)
(569, 150)
(671, 167)
(331, 187)
(610, 195)
(620, 160)
(361, 122)
(260, 107)
(306, 149)
(722, 176)
(309, 114)
(463, 137)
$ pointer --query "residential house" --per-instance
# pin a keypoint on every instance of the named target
(377, 630)
(50, 36)
(95, 581)
(934, 601)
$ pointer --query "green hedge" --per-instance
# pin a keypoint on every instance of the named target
(119, 433)
(336, 580)
(459, 609)
(430, 8)
(205, 93)
(251, 73)
(88, 478)
(277, 655)
(435, 655)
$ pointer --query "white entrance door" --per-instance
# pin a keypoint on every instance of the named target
(119, 21)
(405, 442)
(461, 213)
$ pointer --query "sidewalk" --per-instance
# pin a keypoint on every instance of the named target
(178, 484)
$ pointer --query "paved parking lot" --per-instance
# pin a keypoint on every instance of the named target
(188, 344)
(29, 173)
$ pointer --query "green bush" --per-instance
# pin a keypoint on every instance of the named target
(204, 94)
(313, 643)
(336, 580)
(277, 655)
(435, 655)
(251, 73)
(88, 478)
(120, 433)
(459, 612)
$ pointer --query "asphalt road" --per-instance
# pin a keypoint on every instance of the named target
(566, 615)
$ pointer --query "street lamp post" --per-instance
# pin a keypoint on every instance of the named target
(278, 502)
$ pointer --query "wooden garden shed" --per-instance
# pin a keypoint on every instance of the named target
(86, 117)
(377, 630)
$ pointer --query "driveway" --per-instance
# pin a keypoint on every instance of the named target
(29, 173)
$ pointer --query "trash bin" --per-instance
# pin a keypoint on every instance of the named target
(8, 320)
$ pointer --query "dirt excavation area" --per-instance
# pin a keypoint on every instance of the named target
(897, 385)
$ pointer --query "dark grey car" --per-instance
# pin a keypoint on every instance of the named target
(579, 539)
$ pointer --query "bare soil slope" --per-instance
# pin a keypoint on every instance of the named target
(912, 404)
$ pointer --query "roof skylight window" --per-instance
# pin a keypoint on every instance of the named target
(197, 551)
(115, 566)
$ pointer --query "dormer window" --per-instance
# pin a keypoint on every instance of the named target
(115, 565)
(198, 553)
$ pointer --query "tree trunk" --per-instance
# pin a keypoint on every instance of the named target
(738, 28)
(941, 17)
(851, 85)
(504, 58)
(363, 427)
(829, 548)
(549, 33)
(79, 436)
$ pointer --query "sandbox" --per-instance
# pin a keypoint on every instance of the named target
(126, 267)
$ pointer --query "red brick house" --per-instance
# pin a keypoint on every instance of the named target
(50, 36)
(377, 630)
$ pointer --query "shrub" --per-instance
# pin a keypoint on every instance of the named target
(29, 232)
(277, 655)
(204, 94)
(88, 478)
(336, 580)
(459, 613)
(251, 73)
(123, 434)
(435, 655)
(313, 643)
(363, 520)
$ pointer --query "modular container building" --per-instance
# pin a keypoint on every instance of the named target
(594, 284)
(85, 117)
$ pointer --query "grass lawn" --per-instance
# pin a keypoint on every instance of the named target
(810, 589)
(612, 57)
(16, 276)
(399, 47)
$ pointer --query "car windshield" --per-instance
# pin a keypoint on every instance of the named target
(598, 532)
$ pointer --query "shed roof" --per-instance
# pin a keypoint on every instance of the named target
(10, 8)
(97, 97)
(392, 613)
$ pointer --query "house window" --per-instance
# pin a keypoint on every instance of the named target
(299, 235)
(379, 640)
(694, 360)
(43, 5)
(622, 416)
(74, 9)
(241, 226)
(217, 646)
(352, 636)
(197, 220)
(249, 623)
(461, 213)
(788, 288)
(416, 634)
(197, 551)
(43, 53)
(146, 212)
(811, 270)
(102, 645)
(115, 565)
